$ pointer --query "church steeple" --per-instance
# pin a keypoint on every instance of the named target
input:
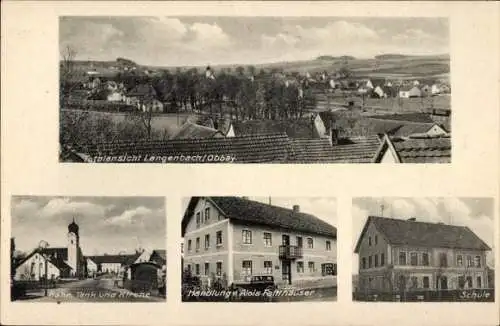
(73, 227)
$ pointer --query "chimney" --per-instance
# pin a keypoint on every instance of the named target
(296, 208)
(412, 219)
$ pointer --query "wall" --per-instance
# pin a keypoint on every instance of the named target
(258, 252)
(23, 271)
(111, 267)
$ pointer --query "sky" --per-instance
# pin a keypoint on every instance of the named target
(107, 224)
(321, 207)
(202, 40)
(475, 213)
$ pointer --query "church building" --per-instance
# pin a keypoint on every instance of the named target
(63, 262)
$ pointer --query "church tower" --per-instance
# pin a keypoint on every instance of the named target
(73, 245)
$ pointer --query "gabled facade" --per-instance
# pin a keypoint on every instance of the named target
(234, 238)
(407, 255)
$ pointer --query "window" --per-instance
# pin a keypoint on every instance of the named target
(477, 261)
(207, 241)
(299, 242)
(469, 261)
(198, 220)
(268, 267)
(461, 282)
(246, 267)
(247, 236)
(369, 261)
(268, 239)
(426, 282)
(328, 245)
(310, 243)
(207, 269)
(327, 269)
(479, 285)
(460, 262)
(218, 236)
(413, 259)
(425, 259)
(311, 267)
(218, 267)
(197, 244)
(197, 269)
(300, 267)
(402, 258)
(443, 260)
(382, 259)
(414, 282)
(376, 260)
(469, 282)
(207, 214)
(363, 263)
(369, 241)
(376, 239)
(189, 245)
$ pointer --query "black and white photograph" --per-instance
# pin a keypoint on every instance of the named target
(88, 249)
(423, 249)
(229, 89)
(259, 249)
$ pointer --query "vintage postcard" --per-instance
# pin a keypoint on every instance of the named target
(88, 249)
(235, 89)
(263, 249)
(423, 249)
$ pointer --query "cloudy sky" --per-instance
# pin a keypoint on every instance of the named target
(475, 213)
(179, 41)
(321, 207)
(107, 224)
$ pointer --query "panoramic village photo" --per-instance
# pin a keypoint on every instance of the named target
(208, 89)
(259, 249)
(423, 249)
(88, 249)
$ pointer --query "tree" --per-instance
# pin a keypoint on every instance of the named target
(67, 74)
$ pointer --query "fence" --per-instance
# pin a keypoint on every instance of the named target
(475, 295)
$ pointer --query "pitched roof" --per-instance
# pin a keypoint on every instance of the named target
(409, 117)
(312, 151)
(143, 90)
(253, 212)
(356, 150)
(57, 257)
(424, 150)
(424, 234)
(413, 128)
(244, 149)
(191, 130)
(294, 128)
(110, 259)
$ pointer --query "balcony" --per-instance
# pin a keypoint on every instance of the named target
(290, 252)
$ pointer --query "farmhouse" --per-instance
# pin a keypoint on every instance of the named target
(410, 92)
(61, 262)
(409, 255)
(235, 238)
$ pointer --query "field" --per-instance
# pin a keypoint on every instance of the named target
(388, 67)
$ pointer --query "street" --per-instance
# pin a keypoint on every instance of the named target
(90, 290)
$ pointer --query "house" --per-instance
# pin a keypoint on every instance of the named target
(435, 89)
(398, 255)
(64, 262)
(191, 130)
(410, 92)
(379, 92)
(145, 98)
(235, 238)
(157, 256)
(112, 264)
(416, 149)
